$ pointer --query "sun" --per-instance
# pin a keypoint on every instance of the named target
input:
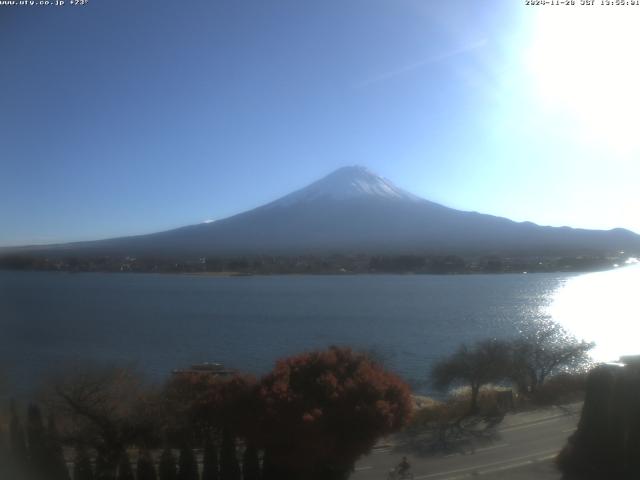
(585, 65)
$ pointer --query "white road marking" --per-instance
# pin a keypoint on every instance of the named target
(471, 452)
(365, 467)
(521, 464)
(520, 461)
(490, 448)
(531, 424)
(382, 450)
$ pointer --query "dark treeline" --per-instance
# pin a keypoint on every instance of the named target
(313, 264)
(310, 418)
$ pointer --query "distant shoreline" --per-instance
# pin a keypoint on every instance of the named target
(231, 274)
(326, 264)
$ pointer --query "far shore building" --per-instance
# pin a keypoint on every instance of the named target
(213, 369)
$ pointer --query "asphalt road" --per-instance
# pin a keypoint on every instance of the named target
(523, 448)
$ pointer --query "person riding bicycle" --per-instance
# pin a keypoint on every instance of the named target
(401, 471)
(403, 467)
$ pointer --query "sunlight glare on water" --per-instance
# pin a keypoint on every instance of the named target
(604, 308)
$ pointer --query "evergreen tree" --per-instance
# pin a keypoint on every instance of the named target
(56, 464)
(229, 467)
(267, 472)
(4, 456)
(188, 467)
(210, 461)
(105, 469)
(145, 469)
(18, 447)
(36, 441)
(82, 465)
(250, 463)
(125, 472)
(167, 468)
(270, 471)
(2, 444)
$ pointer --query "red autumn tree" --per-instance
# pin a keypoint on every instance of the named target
(189, 401)
(203, 406)
(322, 410)
(200, 405)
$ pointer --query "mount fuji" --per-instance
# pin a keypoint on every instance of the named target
(353, 210)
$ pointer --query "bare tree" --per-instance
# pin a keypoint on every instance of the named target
(106, 408)
(543, 351)
(473, 366)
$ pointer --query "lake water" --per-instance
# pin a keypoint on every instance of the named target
(160, 322)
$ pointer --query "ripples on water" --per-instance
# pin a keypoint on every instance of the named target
(161, 322)
(602, 307)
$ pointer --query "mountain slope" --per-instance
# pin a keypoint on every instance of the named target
(353, 210)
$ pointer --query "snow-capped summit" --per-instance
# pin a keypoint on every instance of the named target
(347, 183)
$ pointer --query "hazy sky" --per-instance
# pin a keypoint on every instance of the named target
(125, 117)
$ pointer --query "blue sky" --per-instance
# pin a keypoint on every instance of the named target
(126, 117)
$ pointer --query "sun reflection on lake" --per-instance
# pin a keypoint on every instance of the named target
(602, 307)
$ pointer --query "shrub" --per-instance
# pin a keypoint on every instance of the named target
(559, 389)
